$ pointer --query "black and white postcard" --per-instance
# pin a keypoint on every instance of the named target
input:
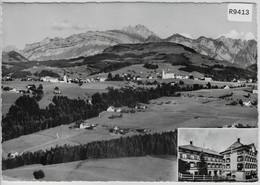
(96, 91)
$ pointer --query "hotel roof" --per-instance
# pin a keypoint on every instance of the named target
(199, 149)
(237, 145)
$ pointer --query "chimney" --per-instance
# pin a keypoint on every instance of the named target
(190, 142)
(238, 140)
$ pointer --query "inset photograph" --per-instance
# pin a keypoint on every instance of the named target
(217, 154)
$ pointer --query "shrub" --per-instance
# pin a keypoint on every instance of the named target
(38, 174)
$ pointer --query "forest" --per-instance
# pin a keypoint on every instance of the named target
(139, 145)
(221, 73)
(25, 116)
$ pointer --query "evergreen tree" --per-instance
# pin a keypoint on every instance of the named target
(202, 165)
(183, 167)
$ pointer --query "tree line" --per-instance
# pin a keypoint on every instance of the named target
(221, 73)
(138, 145)
(25, 116)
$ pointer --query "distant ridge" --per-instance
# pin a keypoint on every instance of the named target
(241, 52)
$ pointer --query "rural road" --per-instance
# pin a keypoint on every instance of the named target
(58, 137)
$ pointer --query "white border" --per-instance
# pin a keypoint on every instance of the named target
(257, 2)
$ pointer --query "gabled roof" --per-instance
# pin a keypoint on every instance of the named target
(199, 149)
(237, 145)
(234, 146)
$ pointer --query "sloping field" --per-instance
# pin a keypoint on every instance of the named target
(163, 114)
(139, 70)
(119, 169)
(69, 90)
(238, 93)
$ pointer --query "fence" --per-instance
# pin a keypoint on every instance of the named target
(192, 177)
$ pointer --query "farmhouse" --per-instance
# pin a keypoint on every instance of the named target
(31, 86)
(56, 90)
(247, 104)
(13, 155)
(14, 90)
(50, 79)
(167, 75)
(86, 126)
(102, 79)
(113, 109)
(64, 79)
(226, 87)
(208, 79)
(140, 107)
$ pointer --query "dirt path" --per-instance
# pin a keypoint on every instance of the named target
(38, 146)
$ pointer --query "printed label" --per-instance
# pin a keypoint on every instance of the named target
(240, 12)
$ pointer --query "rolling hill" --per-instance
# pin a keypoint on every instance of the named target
(122, 55)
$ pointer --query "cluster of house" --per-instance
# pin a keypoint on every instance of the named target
(117, 109)
(168, 75)
(84, 125)
(117, 130)
(12, 155)
(237, 162)
(22, 91)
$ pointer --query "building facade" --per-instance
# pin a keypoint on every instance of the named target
(240, 161)
(237, 162)
(167, 75)
(191, 154)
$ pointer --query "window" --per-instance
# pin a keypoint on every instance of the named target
(240, 152)
(192, 156)
(188, 156)
(240, 166)
(184, 156)
(181, 155)
(192, 165)
(228, 160)
(239, 158)
(228, 166)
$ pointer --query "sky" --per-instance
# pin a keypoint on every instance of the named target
(217, 139)
(30, 23)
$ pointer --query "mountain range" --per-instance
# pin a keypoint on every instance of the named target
(241, 52)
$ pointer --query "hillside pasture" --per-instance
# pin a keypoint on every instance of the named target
(163, 114)
(146, 168)
(71, 90)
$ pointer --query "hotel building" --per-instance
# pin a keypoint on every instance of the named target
(240, 161)
(191, 154)
(237, 162)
